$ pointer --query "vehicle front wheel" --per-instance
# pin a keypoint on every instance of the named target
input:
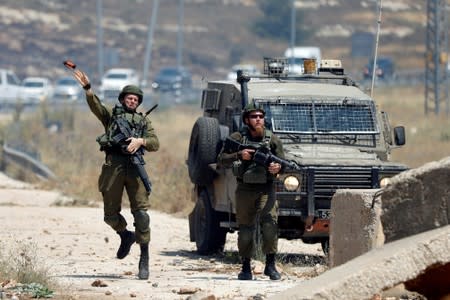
(209, 237)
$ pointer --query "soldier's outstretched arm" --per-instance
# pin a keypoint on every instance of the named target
(83, 80)
(102, 112)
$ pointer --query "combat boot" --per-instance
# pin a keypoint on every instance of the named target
(143, 262)
(246, 272)
(270, 269)
(127, 238)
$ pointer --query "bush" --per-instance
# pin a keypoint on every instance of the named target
(21, 265)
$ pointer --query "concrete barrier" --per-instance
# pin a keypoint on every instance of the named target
(355, 225)
(379, 269)
(417, 200)
(411, 215)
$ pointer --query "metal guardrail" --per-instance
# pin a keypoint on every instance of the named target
(27, 162)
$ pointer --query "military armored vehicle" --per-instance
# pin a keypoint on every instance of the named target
(331, 129)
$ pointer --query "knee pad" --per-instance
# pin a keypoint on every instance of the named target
(269, 230)
(246, 232)
(141, 220)
(112, 221)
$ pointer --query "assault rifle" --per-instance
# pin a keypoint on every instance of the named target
(136, 158)
(261, 156)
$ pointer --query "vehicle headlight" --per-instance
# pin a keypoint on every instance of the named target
(385, 182)
(291, 183)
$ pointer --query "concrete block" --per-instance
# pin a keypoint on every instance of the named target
(355, 226)
(377, 270)
(417, 200)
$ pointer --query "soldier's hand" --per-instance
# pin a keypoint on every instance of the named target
(135, 144)
(247, 154)
(274, 168)
(82, 79)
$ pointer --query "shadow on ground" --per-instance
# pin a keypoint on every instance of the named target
(232, 257)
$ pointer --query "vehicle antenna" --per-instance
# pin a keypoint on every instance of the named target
(376, 47)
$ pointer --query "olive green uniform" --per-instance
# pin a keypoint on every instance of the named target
(254, 187)
(118, 172)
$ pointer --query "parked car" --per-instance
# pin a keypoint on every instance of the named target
(172, 79)
(36, 90)
(248, 69)
(115, 79)
(385, 68)
(9, 87)
(67, 88)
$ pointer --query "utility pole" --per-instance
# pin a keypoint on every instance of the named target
(148, 48)
(100, 38)
(436, 57)
(375, 51)
(180, 33)
(293, 30)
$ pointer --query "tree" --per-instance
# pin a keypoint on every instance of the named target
(276, 21)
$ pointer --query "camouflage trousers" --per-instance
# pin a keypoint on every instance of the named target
(250, 200)
(118, 173)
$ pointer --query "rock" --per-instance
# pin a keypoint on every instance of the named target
(188, 290)
(99, 283)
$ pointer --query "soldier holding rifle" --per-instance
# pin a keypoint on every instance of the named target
(255, 194)
(123, 166)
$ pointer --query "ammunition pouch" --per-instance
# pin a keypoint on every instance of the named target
(103, 141)
(237, 168)
(255, 174)
(117, 144)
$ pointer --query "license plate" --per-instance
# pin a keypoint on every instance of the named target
(323, 214)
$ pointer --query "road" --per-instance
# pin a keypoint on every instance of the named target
(78, 249)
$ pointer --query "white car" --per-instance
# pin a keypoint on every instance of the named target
(115, 79)
(9, 87)
(67, 89)
(36, 90)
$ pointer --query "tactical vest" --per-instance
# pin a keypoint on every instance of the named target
(108, 141)
(250, 171)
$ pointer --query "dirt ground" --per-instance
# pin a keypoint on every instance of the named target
(79, 250)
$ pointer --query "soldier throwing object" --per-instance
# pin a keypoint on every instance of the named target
(118, 172)
(254, 189)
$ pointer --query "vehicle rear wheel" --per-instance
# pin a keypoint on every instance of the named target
(209, 237)
(203, 150)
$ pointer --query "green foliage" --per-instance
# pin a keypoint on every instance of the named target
(21, 265)
(35, 290)
(445, 136)
(275, 22)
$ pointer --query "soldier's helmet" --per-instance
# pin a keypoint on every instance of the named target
(131, 89)
(251, 107)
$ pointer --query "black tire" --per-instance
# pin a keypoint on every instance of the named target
(203, 150)
(209, 237)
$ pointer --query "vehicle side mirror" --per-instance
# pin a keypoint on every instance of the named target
(399, 135)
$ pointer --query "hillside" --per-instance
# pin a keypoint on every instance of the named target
(35, 36)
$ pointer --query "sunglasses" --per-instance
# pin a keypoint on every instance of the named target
(260, 116)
